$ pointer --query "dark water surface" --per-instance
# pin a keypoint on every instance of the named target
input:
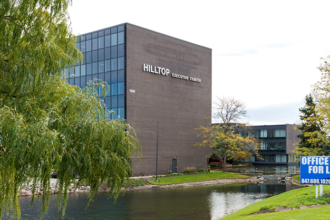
(186, 203)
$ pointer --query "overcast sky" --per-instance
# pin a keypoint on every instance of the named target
(265, 53)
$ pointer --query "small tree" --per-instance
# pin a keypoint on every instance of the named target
(228, 138)
(312, 139)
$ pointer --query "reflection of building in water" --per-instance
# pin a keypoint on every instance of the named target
(265, 169)
(278, 144)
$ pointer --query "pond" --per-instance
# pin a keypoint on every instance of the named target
(162, 204)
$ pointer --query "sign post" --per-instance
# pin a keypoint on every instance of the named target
(315, 170)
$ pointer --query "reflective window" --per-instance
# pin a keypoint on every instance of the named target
(121, 88)
(121, 75)
(82, 46)
(121, 113)
(121, 63)
(101, 54)
(263, 133)
(101, 67)
(114, 30)
(114, 77)
(101, 33)
(77, 81)
(279, 133)
(114, 101)
(107, 53)
(95, 46)
(71, 73)
(107, 65)
(114, 52)
(113, 88)
(89, 69)
(107, 32)
(107, 77)
(95, 68)
(107, 101)
(113, 39)
(88, 45)
(88, 37)
(84, 58)
(121, 50)
(71, 81)
(107, 41)
(83, 81)
(77, 71)
(101, 76)
(94, 35)
(101, 42)
(114, 116)
(121, 28)
(94, 56)
(88, 78)
(88, 57)
(113, 64)
(121, 101)
(78, 46)
(121, 38)
(82, 70)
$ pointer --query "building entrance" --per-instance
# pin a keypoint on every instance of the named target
(174, 166)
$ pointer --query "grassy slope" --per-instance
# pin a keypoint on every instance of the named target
(293, 198)
(297, 178)
(194, 178)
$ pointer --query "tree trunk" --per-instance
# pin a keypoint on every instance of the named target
(224, 161)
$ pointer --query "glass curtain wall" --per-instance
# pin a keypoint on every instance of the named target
(104, 58)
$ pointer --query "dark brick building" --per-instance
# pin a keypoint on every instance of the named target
(152, 77)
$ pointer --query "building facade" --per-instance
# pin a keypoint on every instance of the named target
(153, 78)
(278, 144)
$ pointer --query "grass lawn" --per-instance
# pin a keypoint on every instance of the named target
(194, 178)
(309, 213)
(294, 198)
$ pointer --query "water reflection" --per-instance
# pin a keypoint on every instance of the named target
(190, 203)
(265, 170)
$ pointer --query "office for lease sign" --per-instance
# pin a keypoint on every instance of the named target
(315, 170)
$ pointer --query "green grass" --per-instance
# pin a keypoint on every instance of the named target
(297, 178)
(318, 213)
(294, 198)
(194, 178)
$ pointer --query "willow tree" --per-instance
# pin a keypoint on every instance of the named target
(229, 138)
(45, 123)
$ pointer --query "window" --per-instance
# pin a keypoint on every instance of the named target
(121, 113)
(89, 69)
(101, 33)
(78, 46)
(113, 39)
(77, 81)
(121, 28)
(82, 70)
(113, 64)
(121, 50)
(263, 133)
(88, 45)
(83, 82)
(107, 41)
(101, 54)
(95, 69)
(94, 35)
(121, 88)
(121, 63)
(263, 146)
(121, 101)
(292, 158)
(121, 76)
(88, 37)
(279, 133)
(114, 116)
(280, 158)
(107, 53)
(77, 71)
(113, 88)
(114, 53)
(114, 101)
(101, 76)
(114, 30)
(120, 37)
(88, 57)
(82, 46)
(101, 42)
(101, 67)
(114, 77)
(94, 56)
(95, 46)
(107, 102)
(107, 65)
(107, 77)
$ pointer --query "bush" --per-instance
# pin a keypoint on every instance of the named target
(201, 170)
(190, 170)
(208, 170)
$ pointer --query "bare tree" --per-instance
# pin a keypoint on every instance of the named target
(225, 137)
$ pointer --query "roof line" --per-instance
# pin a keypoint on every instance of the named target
(168, 36)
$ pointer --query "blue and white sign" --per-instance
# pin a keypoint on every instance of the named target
(315, 170)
